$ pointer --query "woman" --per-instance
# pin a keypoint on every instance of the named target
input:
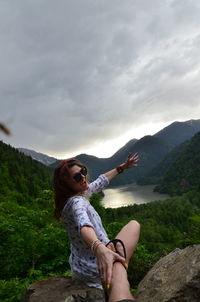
(94, 259)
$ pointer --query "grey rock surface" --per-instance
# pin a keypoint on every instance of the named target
(174, 278)
(61, 289)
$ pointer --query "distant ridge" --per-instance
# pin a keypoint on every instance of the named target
(179, 132)
(152, 150)
(44, 159)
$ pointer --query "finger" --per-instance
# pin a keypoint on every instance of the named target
(117, 257)
(130, 155)
(111, 247)
(133, 157)
(136, 156)
(101, 270)
(103, 275)
(133, 162)
(109, 274)
(122, 261)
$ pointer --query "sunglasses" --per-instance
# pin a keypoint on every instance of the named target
(78, 177)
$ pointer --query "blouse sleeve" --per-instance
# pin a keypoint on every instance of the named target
(78, 212)
(98, 185)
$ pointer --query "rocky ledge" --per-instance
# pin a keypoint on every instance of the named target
(61, 289)
(174, 278)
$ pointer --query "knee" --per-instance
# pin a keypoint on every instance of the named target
(135, 225)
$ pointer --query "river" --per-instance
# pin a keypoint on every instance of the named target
(129, 195)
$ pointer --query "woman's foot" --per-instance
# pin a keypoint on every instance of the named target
(117, 246)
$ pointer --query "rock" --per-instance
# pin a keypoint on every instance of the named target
(61, 289)
(174, 278)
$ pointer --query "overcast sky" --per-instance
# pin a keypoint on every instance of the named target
(86, 76)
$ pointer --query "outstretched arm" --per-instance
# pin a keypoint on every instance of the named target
(129, 163)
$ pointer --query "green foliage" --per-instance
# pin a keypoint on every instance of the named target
(140, 264)
(95, 201)
(113, 229)
(31, 239)
(21, 174)
(184, 174)
(193, 235)
(156, 174)
(34, 245)
(11, 291)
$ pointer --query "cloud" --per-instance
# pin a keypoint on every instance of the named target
(76, 73)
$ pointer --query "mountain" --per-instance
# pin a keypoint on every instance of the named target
(98, 165)
(154, 177)
(152, 150)
(20, 174)
(44, 159)
(184, 174)
(179, 132)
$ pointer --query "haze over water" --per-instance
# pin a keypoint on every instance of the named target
(130, 194)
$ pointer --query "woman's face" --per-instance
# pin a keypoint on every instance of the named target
(80, 186)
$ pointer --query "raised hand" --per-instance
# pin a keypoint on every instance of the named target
(131, 161)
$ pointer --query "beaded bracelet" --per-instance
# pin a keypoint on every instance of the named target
(96, 246)
(93, 244)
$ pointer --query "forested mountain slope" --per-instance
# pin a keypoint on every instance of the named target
(20, 173)
(155, 176)
(184, 174)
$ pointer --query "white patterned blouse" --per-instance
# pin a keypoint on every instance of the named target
(78, 212)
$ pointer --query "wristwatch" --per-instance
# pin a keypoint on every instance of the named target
(119, 169)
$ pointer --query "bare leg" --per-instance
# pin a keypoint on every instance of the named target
(129, 234)
(120, 288)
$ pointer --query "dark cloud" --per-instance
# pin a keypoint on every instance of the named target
(76, 73)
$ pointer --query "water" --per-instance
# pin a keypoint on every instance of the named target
(129, 195)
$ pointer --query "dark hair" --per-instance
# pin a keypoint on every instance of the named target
(61, 189)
